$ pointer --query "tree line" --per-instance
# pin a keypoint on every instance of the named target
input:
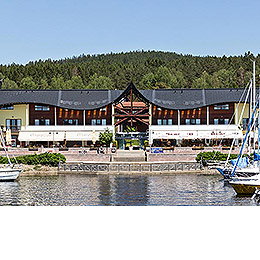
(147, 69)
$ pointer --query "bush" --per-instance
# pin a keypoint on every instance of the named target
(216, 156)
(51, 159)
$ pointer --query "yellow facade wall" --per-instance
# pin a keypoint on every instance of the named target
(239, 109)
(19, 112)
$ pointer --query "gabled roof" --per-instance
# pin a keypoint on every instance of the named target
(92, 99)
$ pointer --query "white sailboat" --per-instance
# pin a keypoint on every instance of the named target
(9, 172)
(249, 185)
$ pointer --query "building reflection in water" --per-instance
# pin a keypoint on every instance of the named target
(123, 190)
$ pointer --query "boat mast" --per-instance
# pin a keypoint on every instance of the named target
(3, 144)
(254, 99)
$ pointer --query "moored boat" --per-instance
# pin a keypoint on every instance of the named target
(10, 172)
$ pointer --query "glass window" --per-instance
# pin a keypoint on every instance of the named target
(8, 123)
(159, 121)
(103, 109)
(197, 121)
(245, 122)
(37, 122)
(221, 107)
(192, 121)
(164, 121)
(221, 121)
(41, 108)
(215, 121)
(187, 121)
(98, 122)
(7, 107)
(93, 121)
(226, 121)
(104, 121)
(47, 121)
(225, 107)
(13, 124)
(169, 121)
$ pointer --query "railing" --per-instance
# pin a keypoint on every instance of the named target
(129, 167)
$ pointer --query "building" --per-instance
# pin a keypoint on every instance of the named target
(163, 116)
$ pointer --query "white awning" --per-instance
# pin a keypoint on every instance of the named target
(41, 136)
(80, 136)
(197, 134)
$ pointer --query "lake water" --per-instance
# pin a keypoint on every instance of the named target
(178, 189)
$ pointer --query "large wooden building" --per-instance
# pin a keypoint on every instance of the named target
(76, 117)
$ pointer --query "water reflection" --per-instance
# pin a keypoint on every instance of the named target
(179, 189)
(123, 190)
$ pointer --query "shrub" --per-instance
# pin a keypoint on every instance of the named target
(51, 159)
(216, 156)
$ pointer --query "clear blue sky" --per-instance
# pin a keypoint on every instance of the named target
(42, 29)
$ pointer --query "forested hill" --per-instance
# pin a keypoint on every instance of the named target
(147, 69)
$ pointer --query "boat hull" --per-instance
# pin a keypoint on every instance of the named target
(9, 174)
(244, 189)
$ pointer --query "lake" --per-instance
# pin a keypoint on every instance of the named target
(184, 189)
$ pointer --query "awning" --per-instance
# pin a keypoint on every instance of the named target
(80, 136)
(41, 136)
(197, 134)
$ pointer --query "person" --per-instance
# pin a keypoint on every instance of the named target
(101, 149)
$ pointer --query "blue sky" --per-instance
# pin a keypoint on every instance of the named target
(56, 29)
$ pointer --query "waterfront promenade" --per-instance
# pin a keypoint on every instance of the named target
(85, 161)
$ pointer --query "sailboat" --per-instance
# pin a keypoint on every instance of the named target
(9, 172)
(249, 185)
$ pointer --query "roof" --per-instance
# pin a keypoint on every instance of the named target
(92, 99)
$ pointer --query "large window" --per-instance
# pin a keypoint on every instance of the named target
(41, 108)
(42, 121)
(98, 121)
(192, 121)
(221, 107)
(221, 121)
(13, 124)
(70, 122)
(8, 107)
(159, 121)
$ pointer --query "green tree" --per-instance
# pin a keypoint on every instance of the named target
(106, 137)
(9, 84)
(148, 81)
(100, 82)
(57, 82)
(74, 83)
(164, 78)
(28, 83)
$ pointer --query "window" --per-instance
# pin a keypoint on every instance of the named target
(192, 121)
(7, 107)
(42, 121)
(187, 121)
(226, 121)
(41, 108)
(104, 121)
(164, 121)
(93, 121)
(169, 121)
(197, 121)
(245, 123)
(159, 121)
(221, 107)
(215, 121)
(70, 122)
(13, 124)
(103, 109)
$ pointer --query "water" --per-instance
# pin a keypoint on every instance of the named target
(178, 189)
